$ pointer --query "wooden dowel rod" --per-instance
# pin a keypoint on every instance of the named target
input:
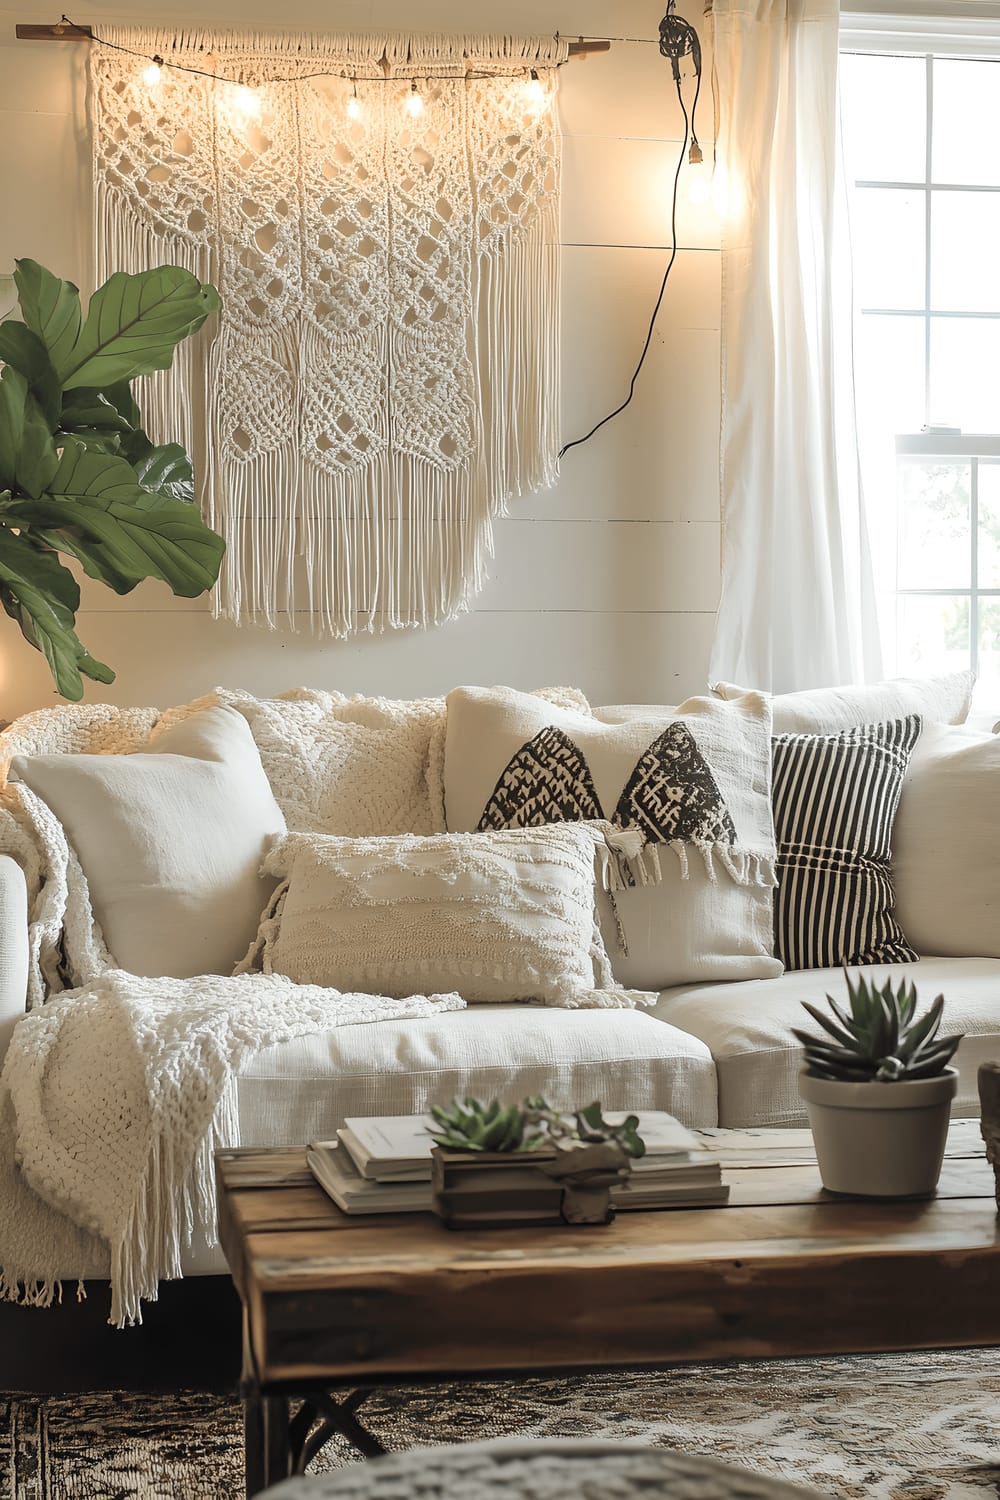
(62, 31)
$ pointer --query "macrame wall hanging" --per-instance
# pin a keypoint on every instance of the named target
(385, 374)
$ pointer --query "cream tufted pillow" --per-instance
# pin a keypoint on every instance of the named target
(501, 916)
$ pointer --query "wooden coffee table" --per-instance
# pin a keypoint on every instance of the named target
(332, 1302)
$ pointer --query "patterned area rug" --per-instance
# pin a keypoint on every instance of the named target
(883, 1427)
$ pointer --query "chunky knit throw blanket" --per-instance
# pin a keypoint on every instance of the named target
(116, 1089)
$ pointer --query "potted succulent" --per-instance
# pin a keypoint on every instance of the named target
(528, 1163)
(878, 1089)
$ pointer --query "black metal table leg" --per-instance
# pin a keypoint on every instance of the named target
(266, 1438)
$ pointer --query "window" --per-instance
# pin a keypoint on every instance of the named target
(922, 153)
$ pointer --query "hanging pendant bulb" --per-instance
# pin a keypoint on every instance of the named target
(353, 105)
(699, 178)
(414, 105)
(151, 75)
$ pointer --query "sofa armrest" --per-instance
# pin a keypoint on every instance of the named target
(13, 947)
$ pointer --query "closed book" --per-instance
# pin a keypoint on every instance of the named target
(336, 1173)
(397, 1148)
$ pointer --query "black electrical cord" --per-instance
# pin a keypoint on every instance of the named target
(663, 284)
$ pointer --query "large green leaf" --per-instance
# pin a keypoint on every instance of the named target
(94, 510)
(133, 326)
(166, 471)
(88, 408)
(43, 597)
(25, 351)
(28, 457)
(51, 309)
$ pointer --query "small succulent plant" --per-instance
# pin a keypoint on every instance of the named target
(879, 1040)
(469, 1125)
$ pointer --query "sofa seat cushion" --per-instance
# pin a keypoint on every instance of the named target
(748, 1025)
(303, 1090)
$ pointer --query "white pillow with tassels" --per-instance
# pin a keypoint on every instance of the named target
(502, 916)
(697, 785)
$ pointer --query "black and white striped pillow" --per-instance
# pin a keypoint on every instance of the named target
(835, 798)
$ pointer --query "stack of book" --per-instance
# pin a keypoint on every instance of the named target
(383, 1165)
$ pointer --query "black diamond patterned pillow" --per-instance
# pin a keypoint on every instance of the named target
(835, 798)
(694, 783)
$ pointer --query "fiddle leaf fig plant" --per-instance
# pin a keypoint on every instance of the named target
(78, 473)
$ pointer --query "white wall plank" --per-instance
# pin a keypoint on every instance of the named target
(656, 658)
(44, 186)
(629, 91)
(618, 192)
(604, 566)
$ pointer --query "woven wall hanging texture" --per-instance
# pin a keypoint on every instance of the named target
(385, 373)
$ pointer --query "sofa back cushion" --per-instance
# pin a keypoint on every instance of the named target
(937, 700)
(697, 782)
(944, 850)
(170, 840)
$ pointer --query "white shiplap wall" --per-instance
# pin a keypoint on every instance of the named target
(609, 580)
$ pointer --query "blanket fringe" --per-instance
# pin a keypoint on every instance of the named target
(163, 1216)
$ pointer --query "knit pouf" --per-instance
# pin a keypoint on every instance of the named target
(556, 1469)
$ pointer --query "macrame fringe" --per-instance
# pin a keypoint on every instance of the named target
(519, 364)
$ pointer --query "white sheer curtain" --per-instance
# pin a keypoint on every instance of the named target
(798, 604)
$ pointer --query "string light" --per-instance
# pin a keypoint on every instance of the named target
(414, 105)
(535, 92)
(383, 77)
(151, 75)
(353, 106)
(245, 101)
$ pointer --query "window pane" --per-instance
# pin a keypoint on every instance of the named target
(889, 375)
(988, 684)
(887, 233)
(933, 634)
(965, 231)
(989, 525)
(966, 121)
(935, 547)
(884, 114)
(965, 373)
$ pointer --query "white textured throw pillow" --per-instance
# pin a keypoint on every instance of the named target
(170, 840)
(697, 781)
(938, 700)
(944, 845)
(501, 916)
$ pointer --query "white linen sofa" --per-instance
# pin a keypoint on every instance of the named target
(712, 1054)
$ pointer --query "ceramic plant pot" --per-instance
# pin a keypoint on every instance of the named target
(880, 1140)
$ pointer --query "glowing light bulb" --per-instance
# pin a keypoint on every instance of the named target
(353, 106)
(534, 92)
(151, 75)
(414, 105)
(699, 184)
(246, 102)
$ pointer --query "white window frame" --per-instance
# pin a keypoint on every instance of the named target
(909, 28)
